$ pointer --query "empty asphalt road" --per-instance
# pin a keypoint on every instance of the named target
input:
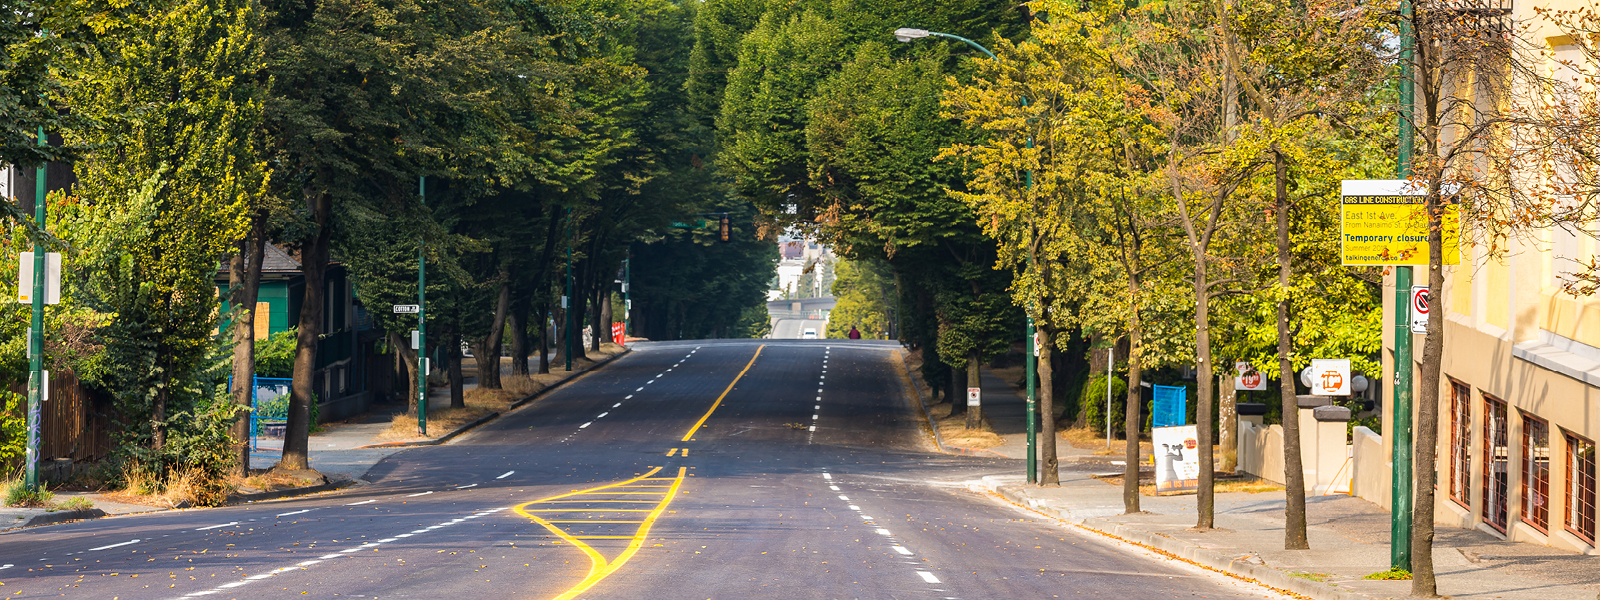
(718, 469)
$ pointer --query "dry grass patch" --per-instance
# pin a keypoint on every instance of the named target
(181, 488)
(440, 422)
(954, 432)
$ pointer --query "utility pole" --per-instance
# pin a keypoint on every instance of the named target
(566, 300)
(422, 320)
(36, 381)
(1401, 482)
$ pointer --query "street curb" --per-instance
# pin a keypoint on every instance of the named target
(927, 414)
(493, 415)
(436, 441)
(290, 492)
(60, 516)
(534, 396)
(1186, 550)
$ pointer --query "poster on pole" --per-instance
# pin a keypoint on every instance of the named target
(1177, 453)
(1383, 222)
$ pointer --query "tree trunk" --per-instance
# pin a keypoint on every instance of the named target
(1205, 496)
(544, 336)
(958, 391)
(1228, 421)
(606, 317)
(974, 380)
(1132, 422)
(458, 398)
(487, 352)
(517, 321)
(244, 283)
(1425, 455)
(314, 269)
(407, 359)
(1049, 467)
(1294, 509)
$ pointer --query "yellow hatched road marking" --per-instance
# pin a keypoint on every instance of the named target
(672, 452)
(599, 567)
(583, 521)
(598, 510)
(599, 501)
(714, 405)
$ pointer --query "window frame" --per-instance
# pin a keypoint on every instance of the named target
(1538, 516)
(1574, 443)
(1495, 428)
(1460, 481)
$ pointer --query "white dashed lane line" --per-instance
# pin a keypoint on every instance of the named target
(112, 546)
(507, 474)
(473, 485)
(306, 563)
(927, 577)
(361, 503)
(215, 526)
(421, 494)
(297, 512)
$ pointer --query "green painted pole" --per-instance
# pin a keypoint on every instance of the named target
(36, 335)
(1401, 483)
(566, 301)
(422, 321)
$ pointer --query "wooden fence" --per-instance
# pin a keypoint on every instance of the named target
(76, 423)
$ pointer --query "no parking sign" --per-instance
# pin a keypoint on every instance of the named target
(1419, 308)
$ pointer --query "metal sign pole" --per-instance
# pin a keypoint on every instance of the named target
(422, 320)
(36, 334)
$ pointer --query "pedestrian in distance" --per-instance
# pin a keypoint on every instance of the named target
(854, 334)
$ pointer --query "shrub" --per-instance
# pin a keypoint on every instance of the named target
(1094, 403)
(275, 354)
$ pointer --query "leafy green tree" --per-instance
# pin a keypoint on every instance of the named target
(170, 87)
(865, 295)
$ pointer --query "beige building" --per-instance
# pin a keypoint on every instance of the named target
(1519, 410)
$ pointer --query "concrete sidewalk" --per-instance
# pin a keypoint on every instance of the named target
(1349, 536)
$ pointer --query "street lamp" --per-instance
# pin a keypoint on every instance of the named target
(906, 35)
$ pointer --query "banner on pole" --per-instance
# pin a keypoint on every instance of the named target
(1177, 456)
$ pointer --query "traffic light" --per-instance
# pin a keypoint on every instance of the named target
(724, 229)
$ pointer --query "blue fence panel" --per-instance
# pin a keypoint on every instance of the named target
(269, 404)
(1170, 409)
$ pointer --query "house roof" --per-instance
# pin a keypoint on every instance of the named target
(276, 260)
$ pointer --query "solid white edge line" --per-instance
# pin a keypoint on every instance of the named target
(467, 486)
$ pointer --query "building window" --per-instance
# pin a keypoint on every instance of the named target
(1536, 472)
(1496, 459)
(1580, 487)
(1460, 443)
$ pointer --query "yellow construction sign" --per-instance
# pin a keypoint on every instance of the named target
(1382, 222)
